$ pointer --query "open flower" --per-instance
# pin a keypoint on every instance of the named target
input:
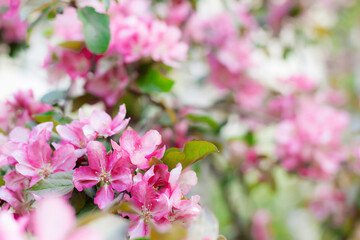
(106, 170)
(35, 160)
(102, 123)
(141, 149)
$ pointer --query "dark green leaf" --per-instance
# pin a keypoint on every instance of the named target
(96, 29)
(153, 81)
(59, 183)
(79, 101)
(193, 152)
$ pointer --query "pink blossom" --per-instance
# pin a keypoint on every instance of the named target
(166, 45)
(55, 219)
(35, 160)
(178, 12)
(250, 95)
(235, 55)
(20, 137)
(313, 149)
(151, 207)
(24, 106)
(214, 31)
(14, 8)
(328, 203)
(102, 123)
(260, 227)
(11, 229)
(141, 149)
(78, 134)
(109, 86)
(108, 170)
(130, 37)
(68, 26)
(62, 61)
(13, 192)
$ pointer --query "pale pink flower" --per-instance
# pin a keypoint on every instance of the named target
(311, 142)
(20, 137)
(236, 55)
(23, 105)
(68, 26)
(104, 169)
(141, 149)
(130, 37)
(37, 161)
(13, 192)
(328, 203)
(11, 229)
(55, 219)
(102, 123)
(250, 94)
(166, 45)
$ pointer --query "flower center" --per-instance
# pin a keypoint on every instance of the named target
(105, 177)
(146, 213)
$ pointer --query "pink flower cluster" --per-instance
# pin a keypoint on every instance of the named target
(13, 30)
(131, 169)
(310, 141)
(19, 109)
(229, 56)
(135, 35)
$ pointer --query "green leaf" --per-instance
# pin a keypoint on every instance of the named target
(193, 152)
(52, 116)
(54, 97)
(96, 29)
(153, 82)
(79, 101)
(204, 119)
(72, 45)
(59, 183)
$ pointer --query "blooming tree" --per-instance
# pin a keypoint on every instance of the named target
(142, 90)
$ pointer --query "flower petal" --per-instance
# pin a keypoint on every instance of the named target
(104, 196)
(85, 177)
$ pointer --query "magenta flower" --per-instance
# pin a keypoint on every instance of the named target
(35, 160)
(102, 123)
(103, 169)
(141, 149)
(11, 228)
(150, 207)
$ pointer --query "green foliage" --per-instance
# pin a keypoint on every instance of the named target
(193, 152)
(54, 97)
(59, 183)
(204, 119)
(79, 101)
(96, 29)
(52, 116)
(154, 82)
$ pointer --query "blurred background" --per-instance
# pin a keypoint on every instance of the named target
(274, 83)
